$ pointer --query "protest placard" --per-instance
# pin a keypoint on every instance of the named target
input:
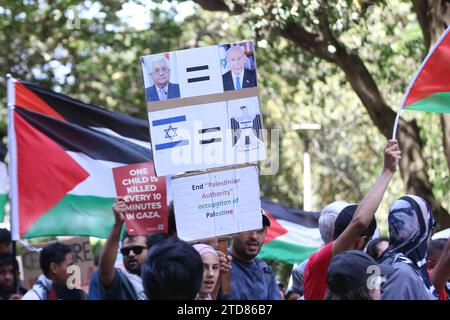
(82, 255)
(145, 198)
(217, 203)
(203, 108)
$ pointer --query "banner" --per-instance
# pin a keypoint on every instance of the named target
(145, 198)
(217, 203)
(203, 108)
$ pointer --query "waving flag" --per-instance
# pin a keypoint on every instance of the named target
(430, 88)
(293, 234)
(62, 152)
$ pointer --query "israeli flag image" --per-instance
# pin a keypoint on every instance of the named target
(169, 127)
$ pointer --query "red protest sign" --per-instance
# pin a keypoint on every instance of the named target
(145, 197)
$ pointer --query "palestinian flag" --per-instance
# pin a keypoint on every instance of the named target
(3, 182)
(63, 152)
(430, 89)
(293, 234)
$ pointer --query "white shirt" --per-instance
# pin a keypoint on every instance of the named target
(160, 95)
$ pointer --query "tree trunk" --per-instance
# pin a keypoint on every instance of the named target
(445, 121)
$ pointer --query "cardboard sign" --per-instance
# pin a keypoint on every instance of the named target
(145, 198)
(217, 203)
(204, 109)
(82, 256)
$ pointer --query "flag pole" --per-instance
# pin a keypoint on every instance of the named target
(12, 158)
(397, 119)
(10, 98)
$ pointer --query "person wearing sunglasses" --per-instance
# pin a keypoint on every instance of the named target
(109, 283)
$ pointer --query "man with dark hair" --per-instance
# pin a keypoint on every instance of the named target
(54, 260)
(8, 270)
(435, 249)
(173, 270)
(354, 226)
(110, 283)
(251, 278)
(441, 272)
(5, 241)
(434, 252)
(376, 247)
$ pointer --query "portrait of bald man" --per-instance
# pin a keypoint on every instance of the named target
(238, 77)
(162, 88)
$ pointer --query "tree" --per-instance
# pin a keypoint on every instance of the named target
(319, 29)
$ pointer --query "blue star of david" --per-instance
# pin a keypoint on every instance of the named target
(171, 132)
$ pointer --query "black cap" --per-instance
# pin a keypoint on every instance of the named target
(344, 218)
(265, 219)
(350, 270)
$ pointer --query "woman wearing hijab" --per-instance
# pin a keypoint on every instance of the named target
(210, 260)
(410, 224)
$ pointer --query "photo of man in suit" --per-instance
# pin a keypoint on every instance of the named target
(162, 89)
(238, 77)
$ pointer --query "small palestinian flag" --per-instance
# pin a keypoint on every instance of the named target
(63, 152)
(430, 89)
(293, 234)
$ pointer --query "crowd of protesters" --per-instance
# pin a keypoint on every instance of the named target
(350, 265)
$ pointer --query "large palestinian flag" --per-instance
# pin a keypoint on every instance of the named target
(430, 88)
(293, 234)
(62, 153)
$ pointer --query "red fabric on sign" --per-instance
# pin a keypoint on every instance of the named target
(145, 196)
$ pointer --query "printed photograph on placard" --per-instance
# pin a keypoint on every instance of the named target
(245, 122)
(238, 64)
(160, 77)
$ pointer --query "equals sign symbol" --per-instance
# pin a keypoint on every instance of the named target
(210, 135)
(198, 77)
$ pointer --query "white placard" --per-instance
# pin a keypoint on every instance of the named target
(199, 71)
(216, 204)
(189, 138)
(203, 108)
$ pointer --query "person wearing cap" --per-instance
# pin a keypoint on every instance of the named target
(354, 227)
(251, 278)
(210, 260)
(354, 275)
(327, 219)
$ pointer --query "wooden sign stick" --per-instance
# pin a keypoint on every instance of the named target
(223, 247)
